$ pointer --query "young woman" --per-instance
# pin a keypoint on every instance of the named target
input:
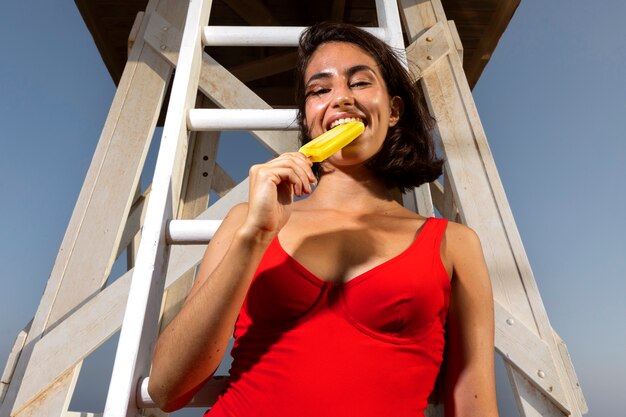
(342, 302)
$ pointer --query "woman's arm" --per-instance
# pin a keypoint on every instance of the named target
(469, 381)
(193, 344)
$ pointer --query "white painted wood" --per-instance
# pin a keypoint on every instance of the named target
(242, 119)
(78, 335)
(523, 349)
(204, 398)
(389, 21)
(222, 182)
(81, 414)
(450, 210)
(141, 317)
(14, 355)
(191, 232)
(261, 35)
(419, 200)
(427, 50)
(134, 31)
(456, 38)
(571, 374)
(437, 191)
(131, 230)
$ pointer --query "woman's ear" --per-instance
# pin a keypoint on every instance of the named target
(396, 106)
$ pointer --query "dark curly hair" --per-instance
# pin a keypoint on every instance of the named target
(408, 157)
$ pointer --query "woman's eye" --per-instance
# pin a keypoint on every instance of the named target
(317, 92)
(357, 84)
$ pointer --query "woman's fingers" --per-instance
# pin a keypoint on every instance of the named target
(293, 167)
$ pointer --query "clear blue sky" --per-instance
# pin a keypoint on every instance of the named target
(553, 104)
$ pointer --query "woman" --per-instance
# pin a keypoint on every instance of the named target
(339, 300)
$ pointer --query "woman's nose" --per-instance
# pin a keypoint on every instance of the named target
(343, 98)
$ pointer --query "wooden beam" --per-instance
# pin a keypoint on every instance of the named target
(254, 12)
(264, 67)
(222, 182)
(338, 11)
(14, 355)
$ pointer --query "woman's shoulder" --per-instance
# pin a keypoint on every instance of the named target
(461, 233)
(461, 243)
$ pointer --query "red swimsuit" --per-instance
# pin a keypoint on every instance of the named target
(369, 347)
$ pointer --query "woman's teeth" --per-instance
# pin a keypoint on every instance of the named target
(342, 121)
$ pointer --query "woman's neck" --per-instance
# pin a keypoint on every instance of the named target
(353, 189)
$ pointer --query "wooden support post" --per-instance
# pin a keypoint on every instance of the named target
(482, 204)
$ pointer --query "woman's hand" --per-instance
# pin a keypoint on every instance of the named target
(272, 189)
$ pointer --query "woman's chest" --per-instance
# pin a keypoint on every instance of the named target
(338, 250)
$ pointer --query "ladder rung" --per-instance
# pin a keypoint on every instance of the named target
(262, 35)
(191, 232)
(241, 119)
(206, 397)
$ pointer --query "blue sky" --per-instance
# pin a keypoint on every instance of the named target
(552, 101)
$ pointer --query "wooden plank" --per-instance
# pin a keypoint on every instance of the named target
(14, 355)
(134, 31)
(92, 236)
(264, 67)
(450, 210)
(131, 235)
(222, 182)
(571, 374)
(437, 192)
(523, 349)
(254, 12)
(456, 38)
(427, 50)
(133, 245)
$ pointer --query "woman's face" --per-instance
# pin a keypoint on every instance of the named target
(343, 82)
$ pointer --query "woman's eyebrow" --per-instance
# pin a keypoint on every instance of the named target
(358, 68)
(318, 76)
(349, 73)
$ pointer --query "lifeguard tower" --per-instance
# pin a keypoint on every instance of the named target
(234, 63)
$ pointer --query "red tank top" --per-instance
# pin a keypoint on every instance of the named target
(370, 347)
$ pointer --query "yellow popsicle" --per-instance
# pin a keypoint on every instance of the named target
(332, 141)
